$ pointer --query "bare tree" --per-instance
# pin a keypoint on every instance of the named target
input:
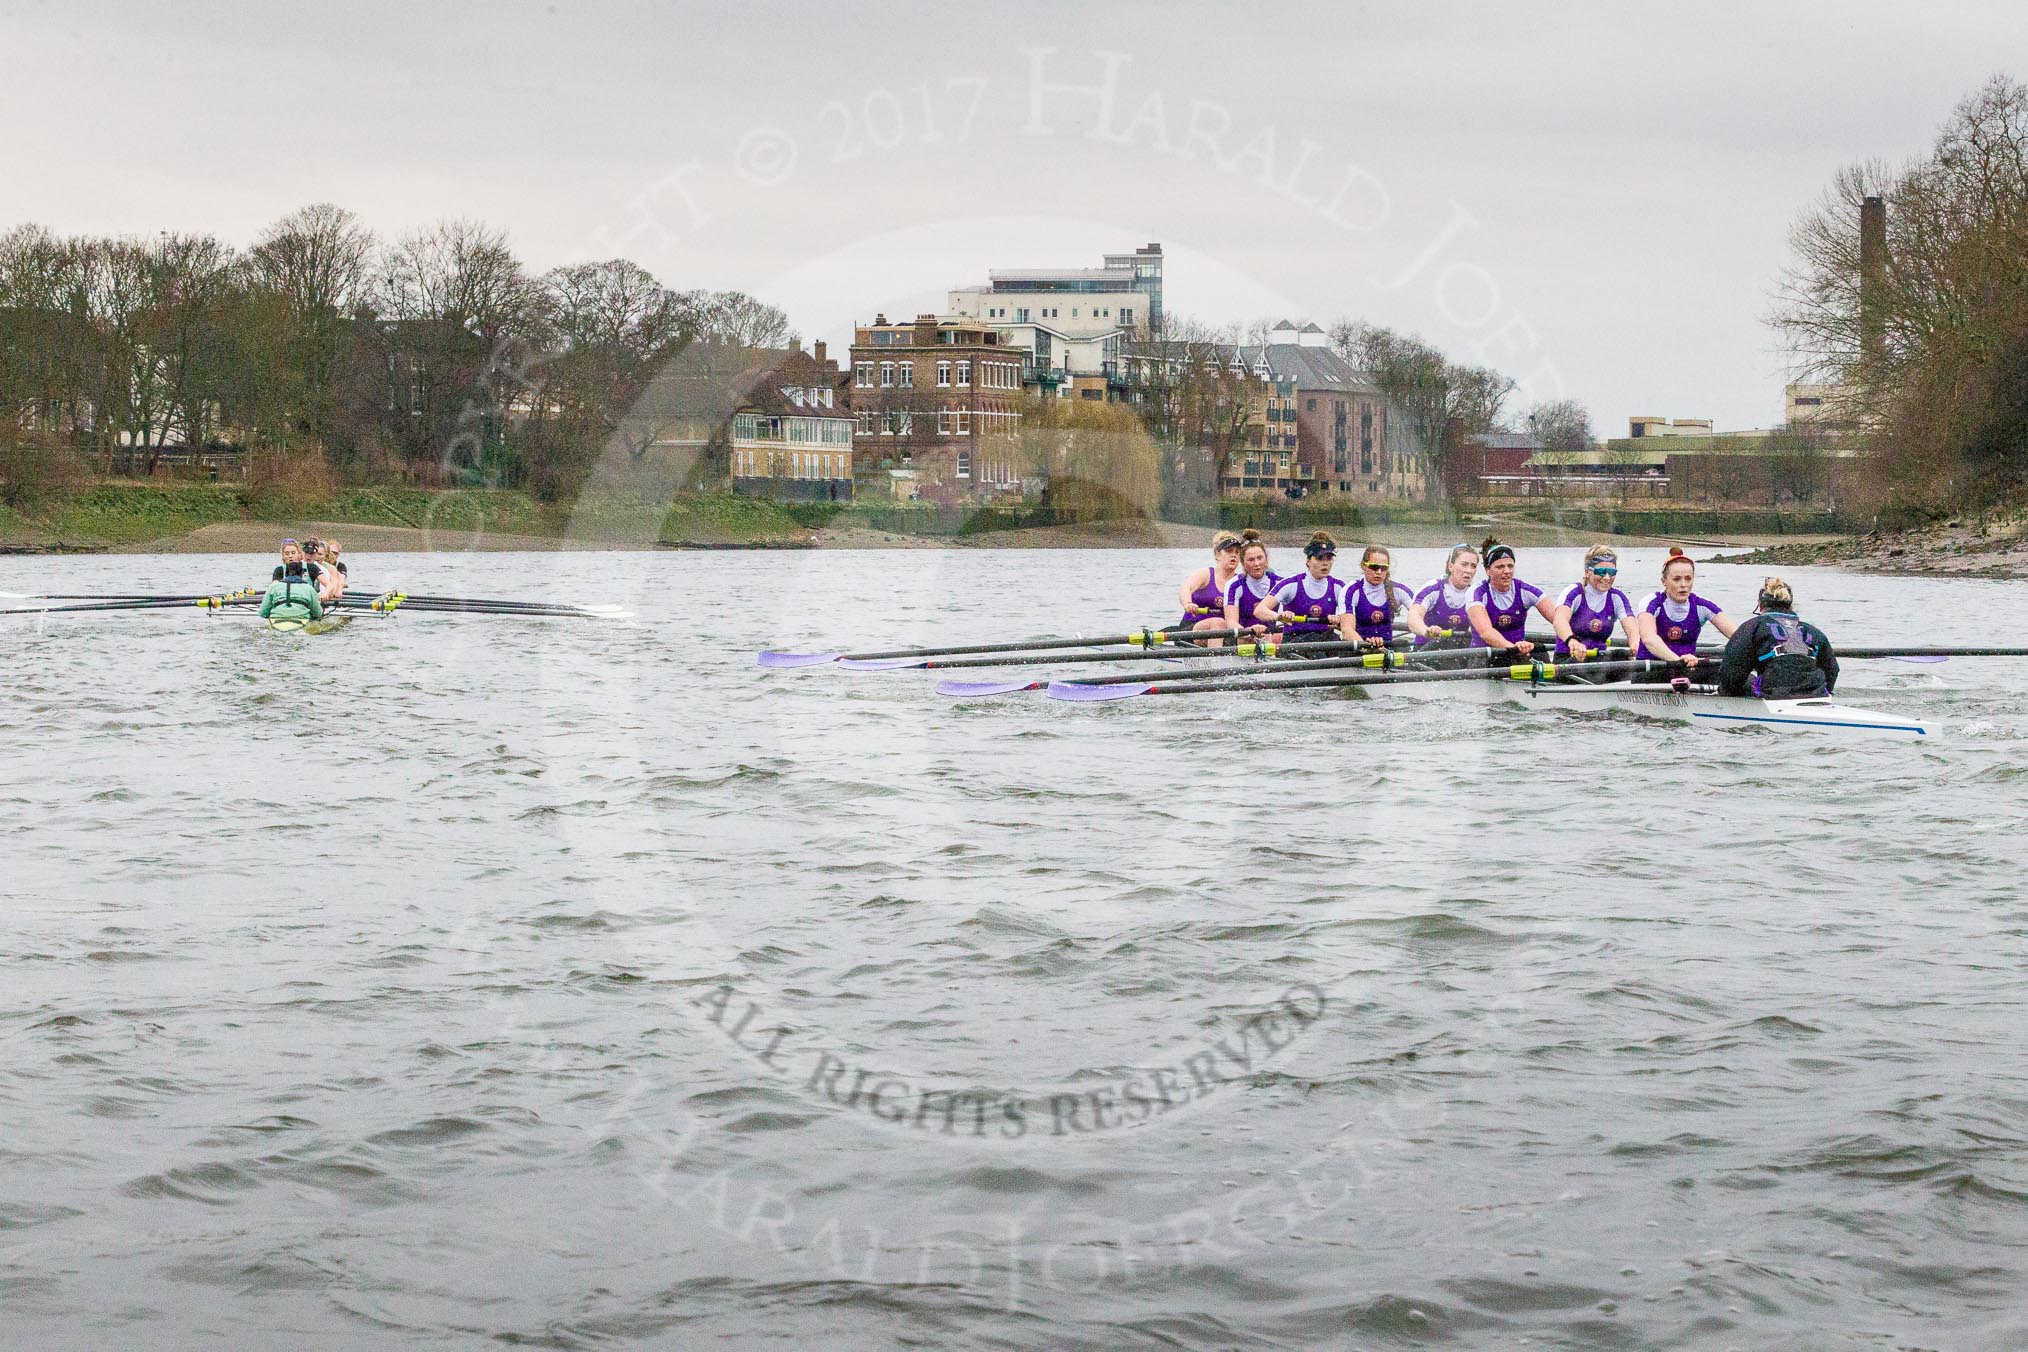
(1443, 403)
(46, 348)
(608, 327)
(450, 299)
(1561, 425)
(1199, 401)
(1932, 342)
(735, 318)
(312, 272)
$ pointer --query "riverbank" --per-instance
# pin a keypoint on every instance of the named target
(1956, 548)
(182, 518)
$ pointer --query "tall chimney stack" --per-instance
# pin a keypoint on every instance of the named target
(1872, 280)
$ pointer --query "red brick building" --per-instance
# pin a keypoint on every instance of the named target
(937, 407)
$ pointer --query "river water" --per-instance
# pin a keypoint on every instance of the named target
(555, 983)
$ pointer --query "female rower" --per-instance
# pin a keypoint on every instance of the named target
(1376, 600)
(1253, 585)
(1499, 609)
(293, 555)
(1676, 614)
(1203, 592)
(1437, 615)
(1310, 606)
(1590, 611)
(331, 575)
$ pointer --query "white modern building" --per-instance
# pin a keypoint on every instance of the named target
(1071, 322)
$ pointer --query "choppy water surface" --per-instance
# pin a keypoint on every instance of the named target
(460, 979)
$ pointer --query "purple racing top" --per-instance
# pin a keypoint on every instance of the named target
(1507, 610)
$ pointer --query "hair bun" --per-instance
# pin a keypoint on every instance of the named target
(1491, 542)
(1249, 535)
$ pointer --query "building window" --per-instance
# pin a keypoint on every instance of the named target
(1020, 314)
(943, 423)
(1126, 315)
(964, 422)
(887, 375)
(864, 375)
(943, 375)
(964, 464)
(908, 375)
(965, 372)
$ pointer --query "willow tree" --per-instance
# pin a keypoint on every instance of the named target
(1930, 340)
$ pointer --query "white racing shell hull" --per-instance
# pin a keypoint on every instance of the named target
(1691, 706)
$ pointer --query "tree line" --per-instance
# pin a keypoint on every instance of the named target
(1927, 343)
(433, 358)
(437, 358)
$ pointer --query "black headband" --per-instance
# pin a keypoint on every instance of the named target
(1495, 554)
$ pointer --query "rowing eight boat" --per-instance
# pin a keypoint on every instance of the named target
(285, 624)
(1700, 707)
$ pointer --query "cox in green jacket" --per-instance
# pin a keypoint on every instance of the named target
(292, 598)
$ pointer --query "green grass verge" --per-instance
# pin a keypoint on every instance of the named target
(119, 513)
(727, 519)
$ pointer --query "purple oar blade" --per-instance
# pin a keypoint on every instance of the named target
(1071, 690)
(881, 663)
(974, 689)
(796, 659)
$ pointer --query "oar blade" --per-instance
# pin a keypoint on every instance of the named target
(983, 689)
(1922, 657)
(778, 661)
(881, 663)
(1092, 694)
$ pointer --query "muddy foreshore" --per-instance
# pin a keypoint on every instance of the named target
(1956, 548)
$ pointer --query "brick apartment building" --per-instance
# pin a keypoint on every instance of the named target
(937, 408)
(1314, 423)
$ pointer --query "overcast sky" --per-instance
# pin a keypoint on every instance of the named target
(1592, 197)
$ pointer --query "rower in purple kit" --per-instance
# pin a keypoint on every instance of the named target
(1437, 615)
(1203, 592)
(1594, 609)
(1310, 606)
(1375, 600)
(1499, 608)
(1676, 614)
(1254, 584)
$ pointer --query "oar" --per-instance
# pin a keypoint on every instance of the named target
(1257, 669)
(901, 657)
(497, 607)
(1534, 672)
(1252, 648)
(98, 596)
(1255, 650)
(1294, 662)
(1930, 654)
(208, 602)
(527, 610)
